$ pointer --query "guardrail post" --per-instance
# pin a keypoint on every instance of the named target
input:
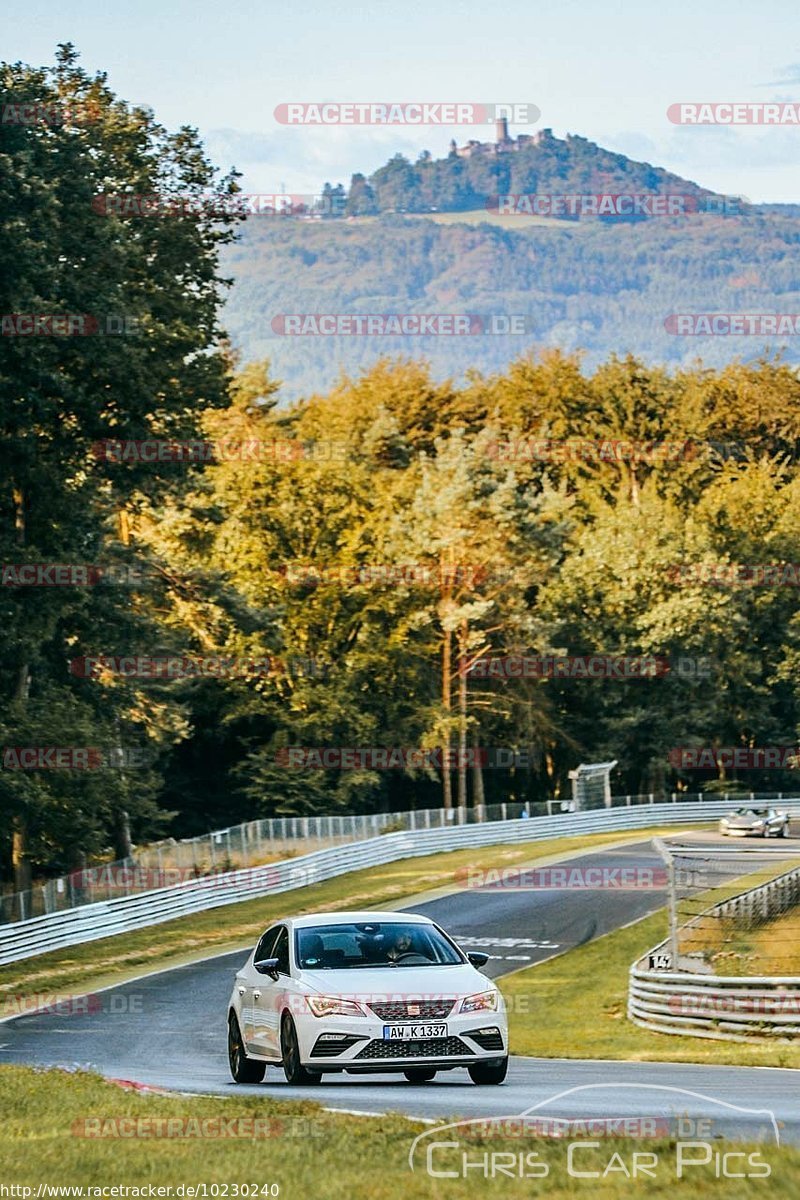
(672, 908)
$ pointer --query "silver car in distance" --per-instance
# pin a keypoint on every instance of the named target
(755, 822)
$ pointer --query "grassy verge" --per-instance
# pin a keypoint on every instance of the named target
(769, 949)
(308, 1152)
(727, 945)
(574, 1006)
(93, 965)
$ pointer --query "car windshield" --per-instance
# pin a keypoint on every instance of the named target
(373, 944)
(751, 812)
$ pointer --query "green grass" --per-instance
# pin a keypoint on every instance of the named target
(310, 1154)
(771, 948)
(728, 946)
(483, 216)
(93, 965)
(574, 1006)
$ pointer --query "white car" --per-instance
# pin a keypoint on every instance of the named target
(364, 992)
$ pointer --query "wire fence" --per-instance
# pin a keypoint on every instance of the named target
(734, 911)
(254, 843)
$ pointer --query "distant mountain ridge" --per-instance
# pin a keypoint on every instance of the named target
(593, 286)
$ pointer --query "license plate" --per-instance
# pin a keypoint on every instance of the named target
(412, 1033)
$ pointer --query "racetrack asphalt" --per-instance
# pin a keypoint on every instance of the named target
(168, 1029)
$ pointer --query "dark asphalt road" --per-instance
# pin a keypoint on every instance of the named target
(168, 1029)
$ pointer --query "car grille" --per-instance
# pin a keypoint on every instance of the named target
(425, 1010)
(448, 1047)
(487, 1039)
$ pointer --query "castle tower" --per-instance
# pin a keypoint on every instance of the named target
(501, 127)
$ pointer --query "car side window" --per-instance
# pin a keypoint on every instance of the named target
(281, 952)
(265, 946)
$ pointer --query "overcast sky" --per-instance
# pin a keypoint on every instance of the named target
(603, 70)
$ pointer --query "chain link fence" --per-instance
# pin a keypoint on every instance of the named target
(733, 910)
(161, 864)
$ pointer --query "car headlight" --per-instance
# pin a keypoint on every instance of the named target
(334, 1006)
(480, 1002)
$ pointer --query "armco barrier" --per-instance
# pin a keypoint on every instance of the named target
(24, 939)
(733, 1008)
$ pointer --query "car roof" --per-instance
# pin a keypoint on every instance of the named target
(347, 918)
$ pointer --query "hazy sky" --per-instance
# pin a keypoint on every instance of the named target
(603, 70)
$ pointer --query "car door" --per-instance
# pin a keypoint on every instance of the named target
(268, 995)
(248, 982)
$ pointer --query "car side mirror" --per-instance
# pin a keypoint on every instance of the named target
(267, 966)
(478, 958)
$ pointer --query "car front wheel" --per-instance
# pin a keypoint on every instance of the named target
(243, 1069)
(293, 1069)
(493, 1071)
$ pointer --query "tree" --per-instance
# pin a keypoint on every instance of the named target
(144, 290)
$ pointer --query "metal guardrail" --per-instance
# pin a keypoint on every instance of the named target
(24, 939)
(168, 862)
(735, 1008)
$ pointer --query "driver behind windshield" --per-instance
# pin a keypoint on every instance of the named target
(402, 945)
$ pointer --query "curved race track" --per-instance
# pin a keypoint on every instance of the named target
(168, 1029)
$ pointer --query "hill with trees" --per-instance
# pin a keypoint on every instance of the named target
(590, 287)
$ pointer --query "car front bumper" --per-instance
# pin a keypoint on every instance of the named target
(336, 1043)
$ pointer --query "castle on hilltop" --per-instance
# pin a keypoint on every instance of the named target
(503, 143)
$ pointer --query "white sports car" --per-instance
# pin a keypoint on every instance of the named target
(364, 992)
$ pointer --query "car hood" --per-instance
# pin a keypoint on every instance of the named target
(744, 821)
(398, 983)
